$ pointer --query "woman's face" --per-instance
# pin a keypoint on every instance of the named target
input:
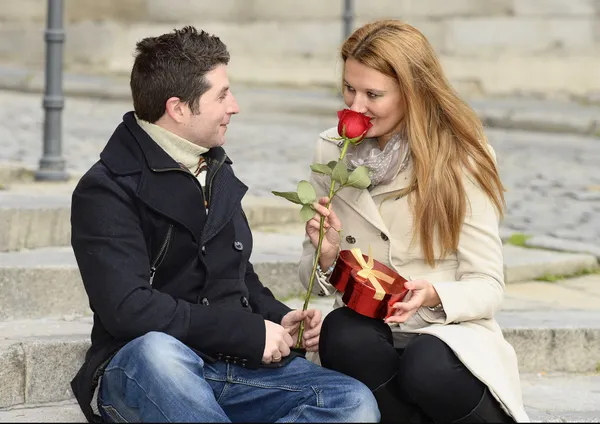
(376, 95)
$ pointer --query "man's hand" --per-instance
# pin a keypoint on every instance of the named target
(312, 327)
(423, 294)
(277, 342)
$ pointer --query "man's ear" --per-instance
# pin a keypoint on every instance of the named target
(177, 110)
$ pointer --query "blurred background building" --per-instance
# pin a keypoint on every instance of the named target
(549, 48)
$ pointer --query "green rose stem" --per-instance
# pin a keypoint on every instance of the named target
(347, 142)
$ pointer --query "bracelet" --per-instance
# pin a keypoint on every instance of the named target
(329, 271)
(437, 308)
(326, 273)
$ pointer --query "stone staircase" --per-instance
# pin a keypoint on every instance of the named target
(45, 319)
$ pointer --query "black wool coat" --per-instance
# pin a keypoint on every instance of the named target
(152, 258)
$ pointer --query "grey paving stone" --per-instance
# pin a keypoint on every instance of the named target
(566, 245)
(523, 264)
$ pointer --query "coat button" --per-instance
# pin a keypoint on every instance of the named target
(203, 250)
(350, 239)
(238, 246)
(205, 301)
(244, 301)
(384, 237)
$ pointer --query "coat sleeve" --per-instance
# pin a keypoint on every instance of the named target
(320, 286)
(478, 291)
(262, 300)
(111, 253)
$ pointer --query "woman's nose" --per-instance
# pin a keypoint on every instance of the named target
(358, 105)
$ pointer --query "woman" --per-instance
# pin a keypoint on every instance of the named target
(431, 214)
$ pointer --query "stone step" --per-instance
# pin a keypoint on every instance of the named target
(543, 395)
(40, 357)
(38, 215)
(46, 282)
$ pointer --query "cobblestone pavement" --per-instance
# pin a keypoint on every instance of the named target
(553, 180)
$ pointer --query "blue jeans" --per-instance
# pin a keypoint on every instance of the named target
(156, 378)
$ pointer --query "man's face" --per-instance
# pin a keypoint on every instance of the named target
(217, 105)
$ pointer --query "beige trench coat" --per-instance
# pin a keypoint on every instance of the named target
(470, 283)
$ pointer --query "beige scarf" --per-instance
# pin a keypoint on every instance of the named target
(181, 150)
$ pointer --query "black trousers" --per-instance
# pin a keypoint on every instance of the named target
(425, 381)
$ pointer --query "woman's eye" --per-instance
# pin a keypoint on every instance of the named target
(372, 95)
(350, 89)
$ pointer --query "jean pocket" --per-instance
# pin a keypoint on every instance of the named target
(112, 414)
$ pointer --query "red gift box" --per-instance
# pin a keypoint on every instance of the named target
(370, 288)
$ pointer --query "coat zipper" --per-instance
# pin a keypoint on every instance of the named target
(212, 177)
(206, 196)
(162, 253)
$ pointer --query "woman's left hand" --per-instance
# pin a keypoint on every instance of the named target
(423, 294)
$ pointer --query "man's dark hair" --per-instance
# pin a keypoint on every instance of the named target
(173, 65)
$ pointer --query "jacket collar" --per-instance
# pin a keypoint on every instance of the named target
(168, 189)
(122, 159)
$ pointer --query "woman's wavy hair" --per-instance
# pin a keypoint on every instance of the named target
(445, 135)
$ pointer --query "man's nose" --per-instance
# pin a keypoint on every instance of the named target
(233, 107)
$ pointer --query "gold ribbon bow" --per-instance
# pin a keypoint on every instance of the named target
(371, 274)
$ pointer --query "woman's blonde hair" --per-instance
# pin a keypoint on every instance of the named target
(445, 135)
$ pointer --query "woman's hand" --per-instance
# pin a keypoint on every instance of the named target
(423, 294)
(332, 227)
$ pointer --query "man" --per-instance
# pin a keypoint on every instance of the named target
(183, 328)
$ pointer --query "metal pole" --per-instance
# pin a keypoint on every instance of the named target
(52, 164)
(348, 17)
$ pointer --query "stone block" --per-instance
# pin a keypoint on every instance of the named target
(488, 36)
(105, 10)
(572, 35)
(292, 10)
(554, 7)
(187, 11)
(492, 116)
(12, 377)
(403, 9)
(483, 36)
(104, 35)
(287, 41)
(23, 11)
(433, 30)
(30, 292)
(281, 278)
(50, 365)
(553, 243)
(61, 412)
(561, 349)
(123, 48)
(34, 228)
(522, 264)
(551, 121)
(269, 211)
(546, 74)
(16, 39)
(557, 295)
(291, 72)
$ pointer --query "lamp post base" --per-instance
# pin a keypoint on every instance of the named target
(51, 169)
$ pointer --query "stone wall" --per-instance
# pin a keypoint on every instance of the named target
(488, 47)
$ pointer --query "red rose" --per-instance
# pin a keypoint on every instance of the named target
(356, 124)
